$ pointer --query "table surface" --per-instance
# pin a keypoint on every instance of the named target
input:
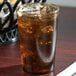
(10, 61)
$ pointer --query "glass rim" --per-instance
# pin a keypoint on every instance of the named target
(55, 6)
(52, 5)
(49, 4)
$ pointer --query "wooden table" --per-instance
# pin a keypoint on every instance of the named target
(10, 62)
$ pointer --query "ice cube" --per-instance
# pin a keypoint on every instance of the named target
(43, 10)
(47, 29)
(30, 8)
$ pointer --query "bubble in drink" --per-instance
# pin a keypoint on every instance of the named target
(37, 29)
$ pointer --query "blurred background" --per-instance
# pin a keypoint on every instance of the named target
(12, 1)
(69, 3)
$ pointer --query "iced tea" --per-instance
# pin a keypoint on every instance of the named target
(37, 30)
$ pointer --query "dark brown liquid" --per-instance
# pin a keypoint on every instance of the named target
(37, 37)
